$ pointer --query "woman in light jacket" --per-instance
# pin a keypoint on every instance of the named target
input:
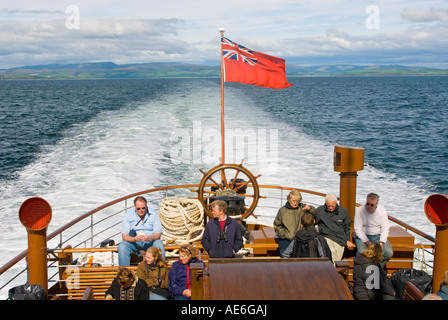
(288, 219)
(154, 270)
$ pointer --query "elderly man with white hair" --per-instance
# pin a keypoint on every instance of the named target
(333, 222)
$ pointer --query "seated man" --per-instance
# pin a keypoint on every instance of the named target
(140, 230)
(308, 243)
(372, 225)
(333, 222)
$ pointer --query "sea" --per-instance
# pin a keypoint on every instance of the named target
(81, 143)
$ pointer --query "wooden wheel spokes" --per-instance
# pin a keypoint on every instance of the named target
(243, 184)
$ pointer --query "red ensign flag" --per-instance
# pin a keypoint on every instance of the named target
(243, 65)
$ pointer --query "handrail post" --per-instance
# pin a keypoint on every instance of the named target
(91, 231)
(281, 198)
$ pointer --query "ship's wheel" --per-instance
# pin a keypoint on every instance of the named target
(229, 180)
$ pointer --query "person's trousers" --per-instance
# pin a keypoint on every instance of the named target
(282, 245)
(388, 252)
(125, 249)
(337, 251)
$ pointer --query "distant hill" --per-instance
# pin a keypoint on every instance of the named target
(373, 70)
(110, 70)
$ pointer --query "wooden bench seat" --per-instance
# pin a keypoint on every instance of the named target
(78, 279)
(263, 242)
(411, 292)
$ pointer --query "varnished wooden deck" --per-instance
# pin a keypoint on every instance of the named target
(275, 279)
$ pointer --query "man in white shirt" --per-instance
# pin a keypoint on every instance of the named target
(372, 225)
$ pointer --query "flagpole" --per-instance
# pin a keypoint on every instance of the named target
(221, 30)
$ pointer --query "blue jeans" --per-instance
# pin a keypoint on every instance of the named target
(126, 248)
(155, 296)
(388, 252)
(282, 245)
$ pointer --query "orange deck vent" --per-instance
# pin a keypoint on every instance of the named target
(436, 209)
(348, 159)
(35, 214)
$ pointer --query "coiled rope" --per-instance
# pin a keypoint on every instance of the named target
(182, 219)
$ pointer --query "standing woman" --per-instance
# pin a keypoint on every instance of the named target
(180, 274)
(288, 219)
(154, 271)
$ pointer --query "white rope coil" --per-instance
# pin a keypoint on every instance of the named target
(182, 219)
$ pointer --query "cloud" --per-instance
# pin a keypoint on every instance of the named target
(421, 45)
(303, 32)
(107, 28)
(425, 15)
(341, 39)
(21, 12)
(115, 40)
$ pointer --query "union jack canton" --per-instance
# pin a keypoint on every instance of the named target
(237, 52)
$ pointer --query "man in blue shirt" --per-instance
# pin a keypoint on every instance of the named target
(140, 230)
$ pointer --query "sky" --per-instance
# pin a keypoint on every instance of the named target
(303, 32)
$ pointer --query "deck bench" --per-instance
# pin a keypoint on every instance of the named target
(78, 279)
(411, 292)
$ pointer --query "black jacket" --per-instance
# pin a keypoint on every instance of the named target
(225, 247)
(334, 225)
(308, 243)
(370, 280)
(137, 291)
